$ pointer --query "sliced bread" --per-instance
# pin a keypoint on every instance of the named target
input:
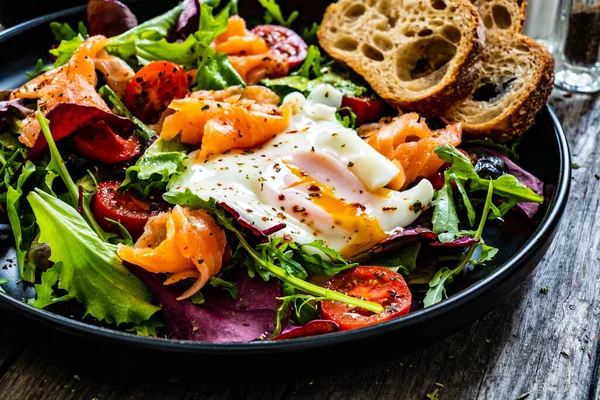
(516, 77)
(419, 55)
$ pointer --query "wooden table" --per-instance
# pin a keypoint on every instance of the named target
(535, 345)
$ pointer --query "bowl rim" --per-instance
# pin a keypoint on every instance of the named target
(502, 273)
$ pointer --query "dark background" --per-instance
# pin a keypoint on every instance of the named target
(13, 12)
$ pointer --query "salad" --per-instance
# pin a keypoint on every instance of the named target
(195, 177)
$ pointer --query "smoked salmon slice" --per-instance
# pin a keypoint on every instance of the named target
(249, 54)
(74, 82)
(409, 142)
(186, 243)
(237, 122)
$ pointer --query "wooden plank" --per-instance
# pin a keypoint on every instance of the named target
(10, 344)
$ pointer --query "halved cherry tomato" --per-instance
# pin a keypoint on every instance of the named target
(283, 41)
(128, 208)
(377, 284)
(366, 109)
(153, 87)
(99, 142)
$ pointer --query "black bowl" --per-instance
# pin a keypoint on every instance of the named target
(543, 151)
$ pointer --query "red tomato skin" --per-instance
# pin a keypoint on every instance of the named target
(153, 88)
(98, 142)
(367, 110)
(128, 209)
(377, 284)
(283, 41)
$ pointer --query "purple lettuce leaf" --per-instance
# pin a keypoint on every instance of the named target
(109, 18)
(527, 179)
(13, 108)
(262, 234)
(312, 328)
(189, 19)
(464, 241)
(220, 318)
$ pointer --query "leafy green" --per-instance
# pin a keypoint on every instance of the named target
(445, 219)
(295, 83)
(155, 29)
(304, 309)
(57, 166)
(508, 149)
(125, 238)
(215, 72)
(507, 186)
(332, 264)
(310, 34)
(21, 222)
(66, 49)
(148, 328)
(62, 31)
(437, 285)
(262, 265)
(346, 117)
(86, 267)
(273, 13)
(117, 106)
(451, 177)
(404, 260)
(228, 286)
(277, 251)
(312, 65)
(155, 167)
(40, 68)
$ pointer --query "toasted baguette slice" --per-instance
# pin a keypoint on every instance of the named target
(516, 79)
(419, 55)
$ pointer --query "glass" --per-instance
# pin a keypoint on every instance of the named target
(543, 18)
(578, 57)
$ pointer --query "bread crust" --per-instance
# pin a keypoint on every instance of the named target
(453, 88)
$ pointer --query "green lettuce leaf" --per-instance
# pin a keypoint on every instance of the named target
(404, 260)
(124, 45)
(65, 50)
(155, 168)
(87, 268)
(296, 83)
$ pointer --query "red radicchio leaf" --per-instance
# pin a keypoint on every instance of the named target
(527, 179)
(262, 234)
(220, 318)
(189, 19)
(66, 119)
(313, 328)
(99, 142)
(109, 18)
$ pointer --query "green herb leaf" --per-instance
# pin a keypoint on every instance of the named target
(296, 83)
(464, 196)
(312, 65)
(40, 68)
(155, 167)
(445, 218)
(90, 270)
(310, 34)
(348, 120)
(404, 260)
(148, 328)
(273, 13)
(62, 31)
(65, 50)
(117, 107)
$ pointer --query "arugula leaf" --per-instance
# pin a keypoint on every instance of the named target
(124, 45)
(445, 276)
(45, 290)
(277, 251)
(3, 281)
(117, 107)
(273, 13)
(319, 265)
(304, 310)
(262, 265)
(57, 166)
(62, 31)
(312, 64)
(40, 68)
(86, 267)
(506, 186)
(309, 35)
(125, 238)
(487, 253)
(22, 223)
(445, 219)
(508, 149)
(348, 120)
(451, 176)
(155, 167)
(229, 287)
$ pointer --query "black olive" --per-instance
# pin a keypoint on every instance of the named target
(488, 166)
